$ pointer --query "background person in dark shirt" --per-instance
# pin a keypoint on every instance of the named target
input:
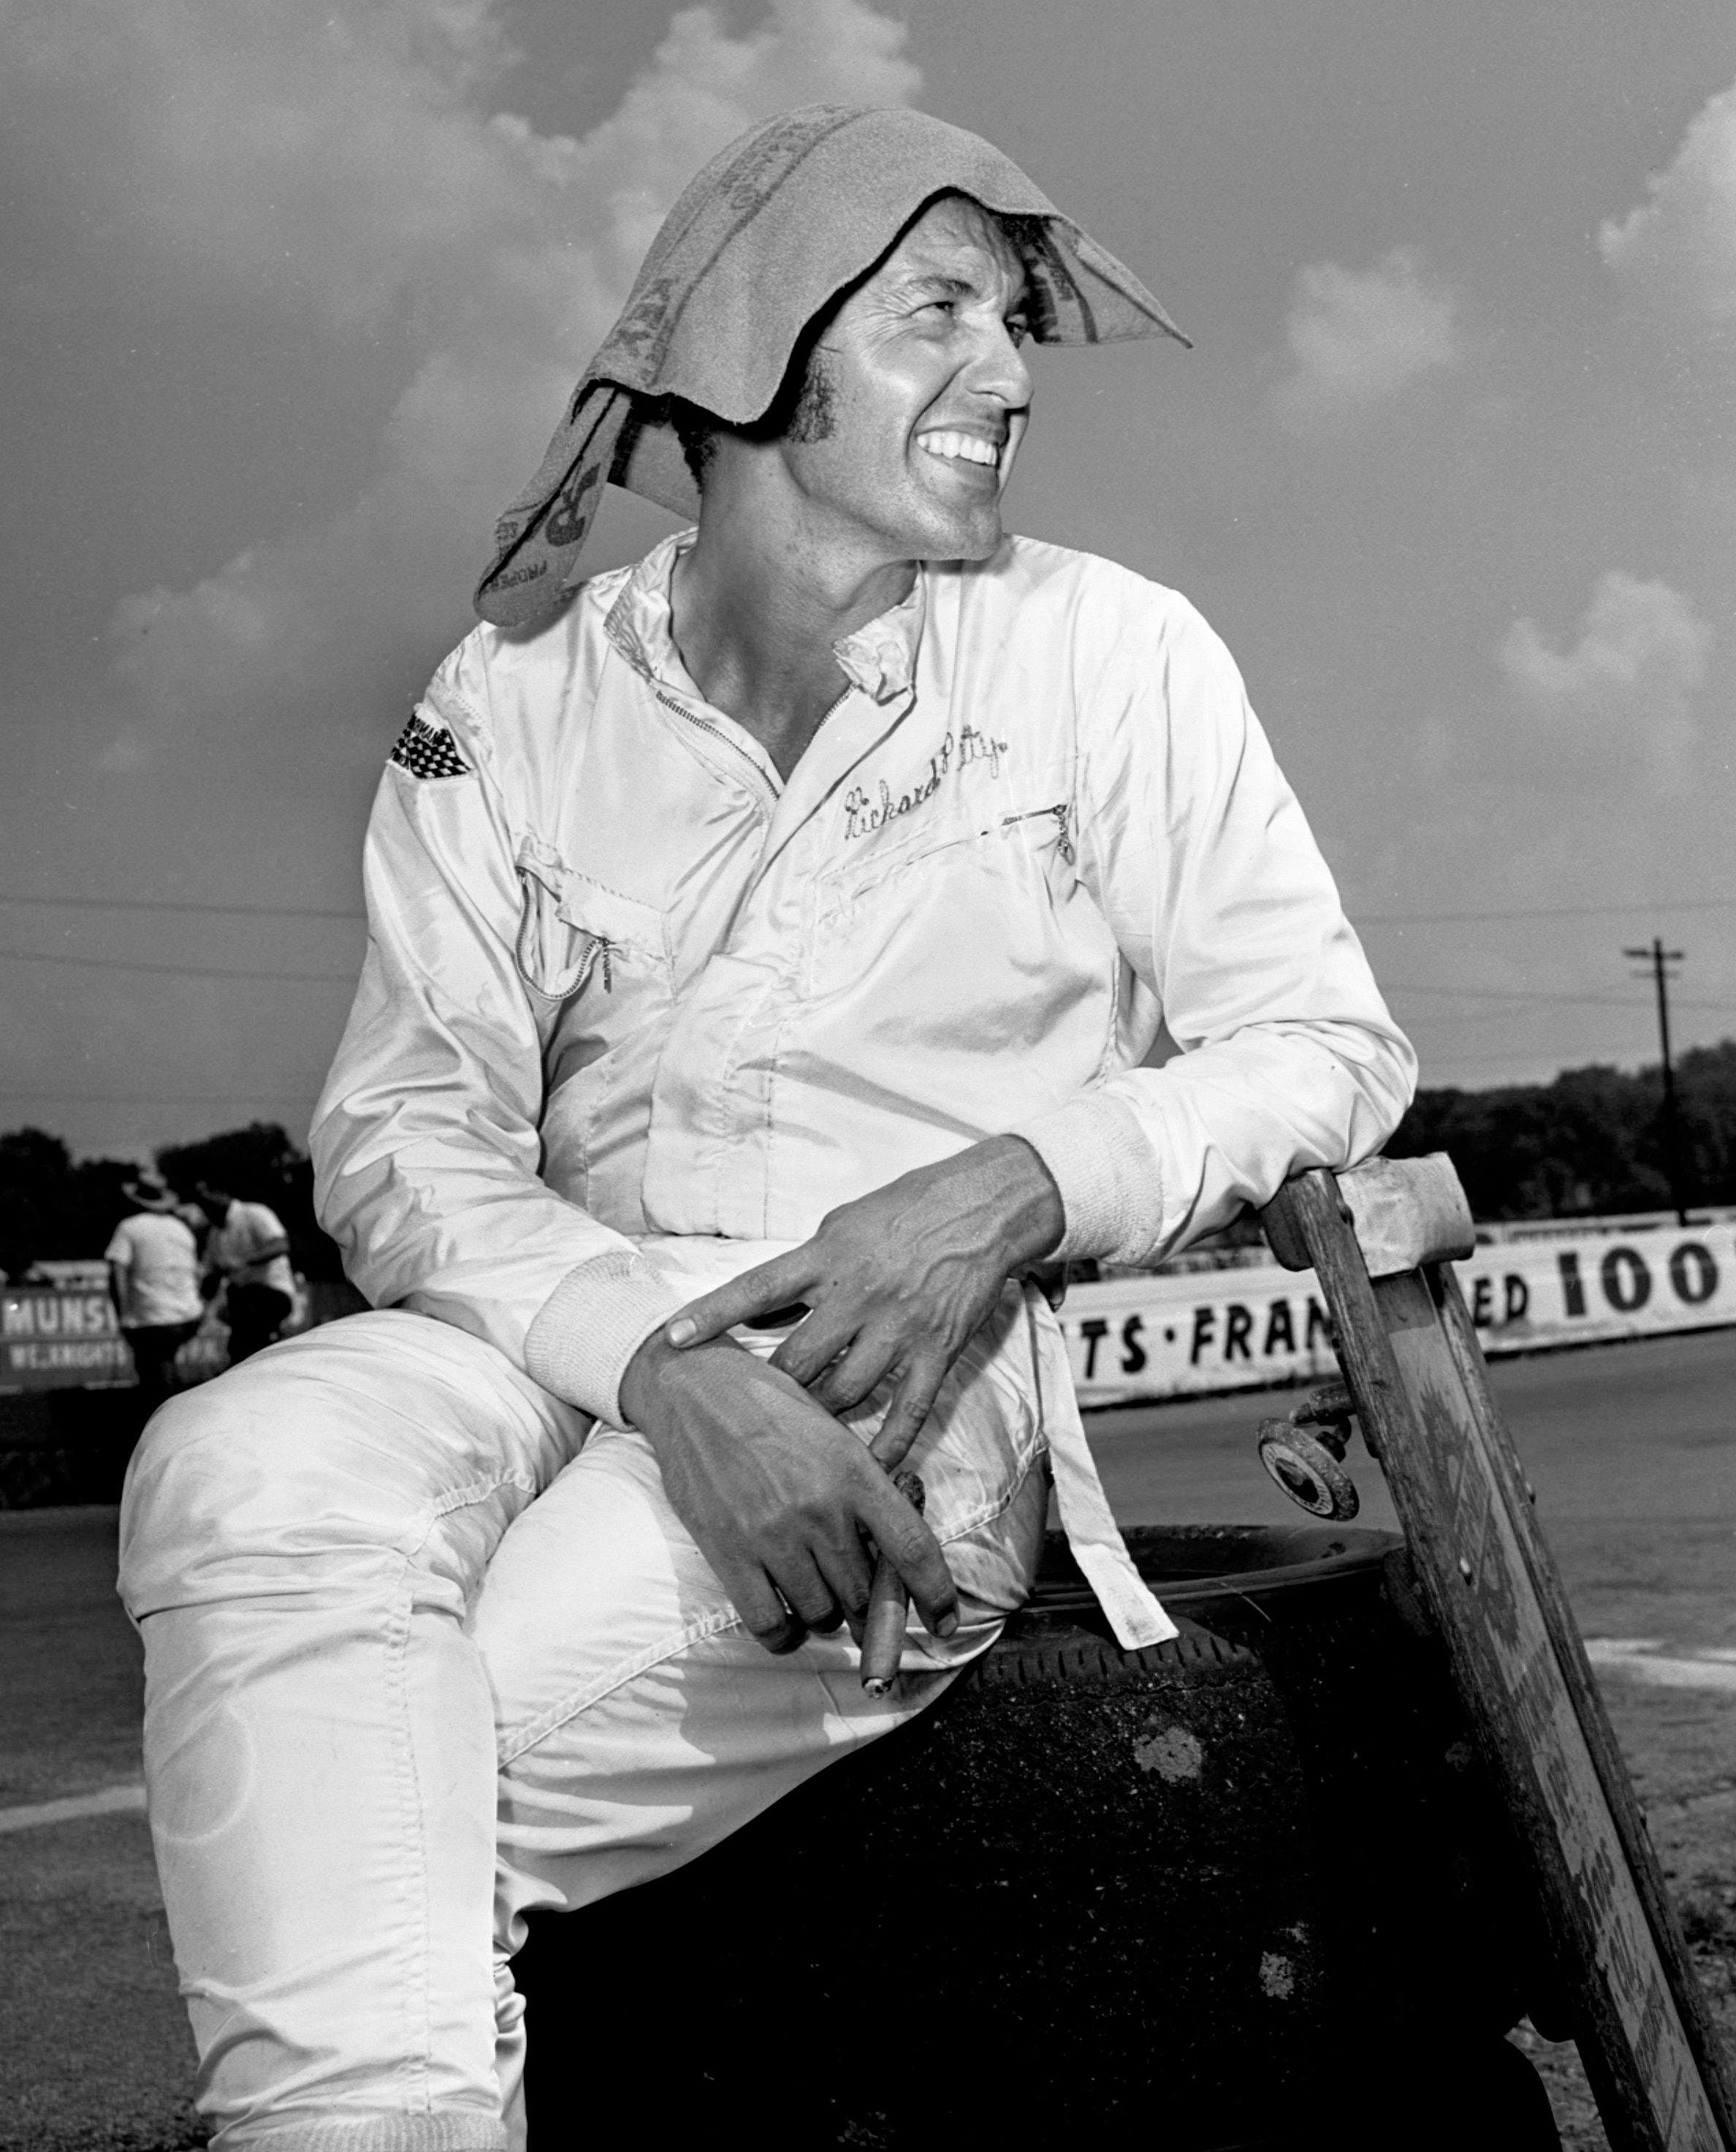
(247, 1255)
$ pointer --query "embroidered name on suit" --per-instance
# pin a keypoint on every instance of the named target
(864, 814)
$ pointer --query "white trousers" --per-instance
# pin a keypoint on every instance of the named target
(424, 1650)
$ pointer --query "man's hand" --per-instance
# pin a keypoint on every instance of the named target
(776, 1493)
(895, 1282)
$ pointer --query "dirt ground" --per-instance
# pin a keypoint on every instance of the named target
(1681, 1750)
(1632, 1450)
(1680, 1744)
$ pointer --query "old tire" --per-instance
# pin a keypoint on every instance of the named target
(1202, 1895)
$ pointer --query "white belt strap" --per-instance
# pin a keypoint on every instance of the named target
(1092, 1532)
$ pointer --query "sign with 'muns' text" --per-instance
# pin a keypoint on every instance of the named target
(1240, 1329)
(53, 1338)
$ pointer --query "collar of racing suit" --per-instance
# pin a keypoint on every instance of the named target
(880, 657)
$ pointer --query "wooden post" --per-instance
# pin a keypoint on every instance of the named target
(1417, 1375)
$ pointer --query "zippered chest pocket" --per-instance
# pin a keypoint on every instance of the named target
(968, 917)
(577, 937)
(1039, 821)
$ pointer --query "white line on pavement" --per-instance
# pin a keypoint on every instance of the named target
(111, 1801)
(1640, 1657)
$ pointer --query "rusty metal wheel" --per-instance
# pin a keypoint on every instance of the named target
(1307, 1471)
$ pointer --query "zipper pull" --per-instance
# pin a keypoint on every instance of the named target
(597, 950)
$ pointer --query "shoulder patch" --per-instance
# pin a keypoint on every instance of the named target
(427, 750)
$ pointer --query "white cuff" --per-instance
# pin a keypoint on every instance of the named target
(590, 1326)
(1102, 1161)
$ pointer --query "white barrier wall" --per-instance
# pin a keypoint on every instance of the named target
(1240, 1329)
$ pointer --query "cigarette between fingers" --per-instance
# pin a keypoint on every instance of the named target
(883, 1629)
(888, 1607)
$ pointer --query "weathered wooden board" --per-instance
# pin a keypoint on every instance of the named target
(1404, 1211)
(1411, 1359)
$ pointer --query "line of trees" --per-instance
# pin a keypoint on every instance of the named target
(54, 1208)
(1592, 1141)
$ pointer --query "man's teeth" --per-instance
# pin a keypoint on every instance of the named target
(970, 448)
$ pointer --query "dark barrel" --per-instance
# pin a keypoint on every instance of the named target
(1247, 1888)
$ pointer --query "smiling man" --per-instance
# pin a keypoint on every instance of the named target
(769, 949)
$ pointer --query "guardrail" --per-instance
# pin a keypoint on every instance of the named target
(1155, 1337)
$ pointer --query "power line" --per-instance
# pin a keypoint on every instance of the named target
(167, 904)
(1364, 918)
(178, 970)
(168, 1098)
(348, 978)
(1523, 994)
(1549, 911)
(1430, 1062)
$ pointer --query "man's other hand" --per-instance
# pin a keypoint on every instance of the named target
(895, 1282)
(777, 1494)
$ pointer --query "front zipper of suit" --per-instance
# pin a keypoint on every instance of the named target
(716, 733)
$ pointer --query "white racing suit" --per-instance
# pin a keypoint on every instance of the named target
(635, 1015)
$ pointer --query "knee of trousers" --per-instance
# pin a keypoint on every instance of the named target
(338, 1460)
(218, 1507)
(161, 1529)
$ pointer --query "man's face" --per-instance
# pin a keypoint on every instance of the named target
(917, 395)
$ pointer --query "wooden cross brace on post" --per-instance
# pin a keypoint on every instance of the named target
(1381, 1238)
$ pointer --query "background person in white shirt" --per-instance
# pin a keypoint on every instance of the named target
(247, 1255)
(153, 1263)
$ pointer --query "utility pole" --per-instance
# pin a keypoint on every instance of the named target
(1658, 960)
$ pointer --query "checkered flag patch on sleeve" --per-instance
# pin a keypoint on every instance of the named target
(427, 750)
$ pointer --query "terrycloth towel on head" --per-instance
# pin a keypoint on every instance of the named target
(791, 214)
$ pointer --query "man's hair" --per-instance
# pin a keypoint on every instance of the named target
(802, 408)
(697, 430)
(800, 411)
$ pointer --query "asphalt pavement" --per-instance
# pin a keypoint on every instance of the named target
(1631, 1448)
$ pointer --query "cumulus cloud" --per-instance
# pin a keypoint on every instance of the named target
(346, 162)
(1682, 238)
(1621, 699)
(1357, 338)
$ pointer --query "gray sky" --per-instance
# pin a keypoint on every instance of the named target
(292, 292)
